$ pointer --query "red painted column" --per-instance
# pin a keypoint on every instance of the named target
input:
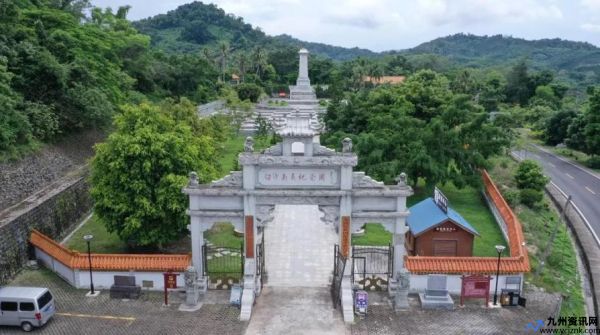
(249, 235)
(345, 236)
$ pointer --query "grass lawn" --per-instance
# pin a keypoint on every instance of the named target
(374, 234)
(222, 234)
(468, 202)
(103, 242)
(560, 273)
(235, 145)
(228, 158)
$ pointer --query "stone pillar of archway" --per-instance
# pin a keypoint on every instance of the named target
(250, 232)
(401, 275)
(197, 238)
(347, 301)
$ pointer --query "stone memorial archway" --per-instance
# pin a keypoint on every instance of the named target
(315, 175)
(320, 176)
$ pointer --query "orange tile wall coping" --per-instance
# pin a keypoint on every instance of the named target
(518, 262)
(110, 262)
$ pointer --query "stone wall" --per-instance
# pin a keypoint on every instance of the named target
(21, 178)
(54, 211)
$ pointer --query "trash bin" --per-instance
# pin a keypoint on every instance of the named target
(509, 297)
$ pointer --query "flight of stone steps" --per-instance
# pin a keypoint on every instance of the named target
(275, 114)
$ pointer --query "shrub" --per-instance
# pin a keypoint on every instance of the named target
(593, 162)
(530, 197)
(248, 91)
(530, 176)
(511, 197)
(43, 120)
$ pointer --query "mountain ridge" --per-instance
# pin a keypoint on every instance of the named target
(194, 26)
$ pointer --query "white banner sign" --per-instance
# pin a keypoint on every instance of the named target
(297, 177)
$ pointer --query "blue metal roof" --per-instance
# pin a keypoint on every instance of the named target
(426, 215)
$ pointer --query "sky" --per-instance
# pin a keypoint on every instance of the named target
(399, 24)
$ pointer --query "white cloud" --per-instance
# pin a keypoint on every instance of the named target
(591, 4)
(396, 24)
(469, 12)
(591, 27)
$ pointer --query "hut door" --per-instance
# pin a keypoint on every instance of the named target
(444, 247)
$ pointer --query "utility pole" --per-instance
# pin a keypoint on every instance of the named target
(548, 248)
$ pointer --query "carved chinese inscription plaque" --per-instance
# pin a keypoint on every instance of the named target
(305, 177)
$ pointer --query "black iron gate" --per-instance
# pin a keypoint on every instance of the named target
(260, 260)
(339, 265)
(223, 265)
(372, 267)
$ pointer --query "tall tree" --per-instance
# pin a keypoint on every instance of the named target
(224, 50)
(259, 60)
(138, 173)
(592, 127)
(518, 84)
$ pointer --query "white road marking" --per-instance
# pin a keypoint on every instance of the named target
(568, 175)
(108, 317)
(590, 190)
(552, 165)
(591, 173)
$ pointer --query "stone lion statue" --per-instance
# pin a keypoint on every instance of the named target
(249, 144)
(346, 145)
(190, 276)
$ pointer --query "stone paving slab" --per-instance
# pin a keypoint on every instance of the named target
(148, 316)
(474, 318)
(299, 247)
(296, 311)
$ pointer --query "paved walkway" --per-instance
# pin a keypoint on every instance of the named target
(299, 248)
(474, 318)
(79, 315)
(299, 262)
(296, 310)
(279, 310)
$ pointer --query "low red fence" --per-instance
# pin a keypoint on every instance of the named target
(518, 262)
(109, 262)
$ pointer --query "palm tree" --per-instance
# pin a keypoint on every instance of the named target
(243, 63)
(259, 59)
(207, 55)
(224, 50)
(376, 71)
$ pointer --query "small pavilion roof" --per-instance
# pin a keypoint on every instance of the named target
(426, 215)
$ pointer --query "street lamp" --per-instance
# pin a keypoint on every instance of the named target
(499, 249)
(88, 239)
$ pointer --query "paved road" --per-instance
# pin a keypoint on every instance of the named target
(581, 184)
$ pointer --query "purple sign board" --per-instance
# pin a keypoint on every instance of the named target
(361, 302)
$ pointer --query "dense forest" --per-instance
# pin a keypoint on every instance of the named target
(67, 67)
(63, 72)
(194, 26)
(576, 62)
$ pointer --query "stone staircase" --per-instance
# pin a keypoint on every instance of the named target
(275, 114)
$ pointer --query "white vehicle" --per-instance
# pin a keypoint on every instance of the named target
(26, 307)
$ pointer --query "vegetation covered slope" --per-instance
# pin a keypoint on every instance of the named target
(577, 61)
(62, 72)
(193, 26)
